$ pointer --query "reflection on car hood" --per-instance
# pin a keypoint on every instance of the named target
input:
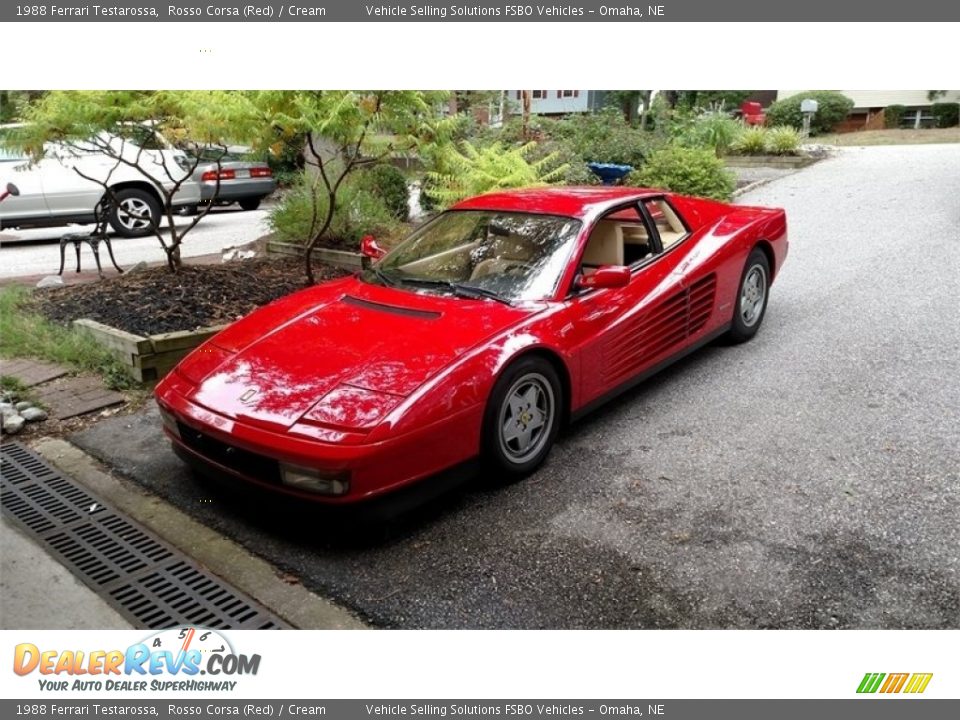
(290, 354)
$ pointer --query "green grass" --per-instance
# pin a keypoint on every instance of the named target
(10, 384)
(926, 136)
(25, 333)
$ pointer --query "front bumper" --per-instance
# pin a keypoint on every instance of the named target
(228, 449)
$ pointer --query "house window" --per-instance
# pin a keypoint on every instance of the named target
(539, 94)
(568, 93)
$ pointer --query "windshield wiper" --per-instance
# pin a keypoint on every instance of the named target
(473, 291)
(383, 277)
(460, 289)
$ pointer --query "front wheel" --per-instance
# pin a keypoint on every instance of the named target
(136, 213)
(751, 297)
(522, 419)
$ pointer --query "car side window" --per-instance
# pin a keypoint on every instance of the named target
(620, 237)
(670, 227)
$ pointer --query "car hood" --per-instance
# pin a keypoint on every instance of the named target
(273, 366)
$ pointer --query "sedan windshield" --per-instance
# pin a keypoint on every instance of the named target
(480, 253)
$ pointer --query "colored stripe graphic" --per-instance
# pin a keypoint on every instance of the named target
(870, 682)
(918, 682)
(894, 683)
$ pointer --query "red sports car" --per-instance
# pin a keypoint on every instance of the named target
(476, 338)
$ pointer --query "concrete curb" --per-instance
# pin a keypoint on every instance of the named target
(225, 558)
(754, 185)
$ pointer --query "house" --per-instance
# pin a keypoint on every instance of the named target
(559, 102)
(868, 107)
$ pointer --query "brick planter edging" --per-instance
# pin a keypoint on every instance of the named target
(338, 258)
(149, 358)
(781, 161)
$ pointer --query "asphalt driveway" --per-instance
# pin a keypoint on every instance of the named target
(807, 479)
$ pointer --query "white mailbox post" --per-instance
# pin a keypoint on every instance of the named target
(808, 107)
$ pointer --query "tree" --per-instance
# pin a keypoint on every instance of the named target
(347, 130)
(628, 101)
(472, 170)
(116, 123)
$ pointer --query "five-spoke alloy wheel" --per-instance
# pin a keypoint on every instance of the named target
(522, 418)
(751, 297)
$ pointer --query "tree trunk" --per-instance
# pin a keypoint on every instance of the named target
(525, 122)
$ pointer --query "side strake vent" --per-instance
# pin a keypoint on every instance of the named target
(662, 327)
(146, 580)
(701, 297)
(392, 309)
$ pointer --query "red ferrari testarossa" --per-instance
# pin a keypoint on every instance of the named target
(477, 337)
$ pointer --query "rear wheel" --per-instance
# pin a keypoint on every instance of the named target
(249, 203)
(751, 297)
(135, 213)
(522, 419)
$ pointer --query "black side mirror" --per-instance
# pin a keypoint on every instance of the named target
(12, 189)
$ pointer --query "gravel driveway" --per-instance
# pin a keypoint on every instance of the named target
(807, 479)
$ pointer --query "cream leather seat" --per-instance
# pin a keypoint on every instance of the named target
(605, 246)
(510, 251)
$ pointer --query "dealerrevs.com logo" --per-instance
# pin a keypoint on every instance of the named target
(170, 660)
(911, 683)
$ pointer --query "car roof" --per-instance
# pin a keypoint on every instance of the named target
(578, 202)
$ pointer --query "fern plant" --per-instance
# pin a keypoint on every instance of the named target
(469, 170)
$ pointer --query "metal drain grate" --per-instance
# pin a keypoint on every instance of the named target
(148, 581)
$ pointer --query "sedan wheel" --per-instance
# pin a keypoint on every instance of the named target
(752, 297)
(135, 213)
(522, 418)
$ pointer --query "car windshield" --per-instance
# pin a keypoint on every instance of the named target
(505, 256)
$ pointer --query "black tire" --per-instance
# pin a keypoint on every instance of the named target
(139, 201)
(249, 203)
(747, 314)
(189, 210)
(504, 460)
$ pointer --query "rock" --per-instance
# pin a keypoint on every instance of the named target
(238, 252)
(139, 267)
(13, 424)
(4, 406)
(22, 405)
(50, 281)
(33, 414)
(8, 410)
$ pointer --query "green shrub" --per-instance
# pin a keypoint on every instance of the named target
(714, 130)
(833, 108)
(390, 185)
(302, 209)
(752, 141)
(946, 114)
(603, 137)
(470, 170)
(892, 115)
(690, 171)
(783, 140)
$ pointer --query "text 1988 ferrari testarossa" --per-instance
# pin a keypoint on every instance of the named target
(477, 337)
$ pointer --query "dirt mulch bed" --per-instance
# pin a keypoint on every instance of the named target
(156, 301)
